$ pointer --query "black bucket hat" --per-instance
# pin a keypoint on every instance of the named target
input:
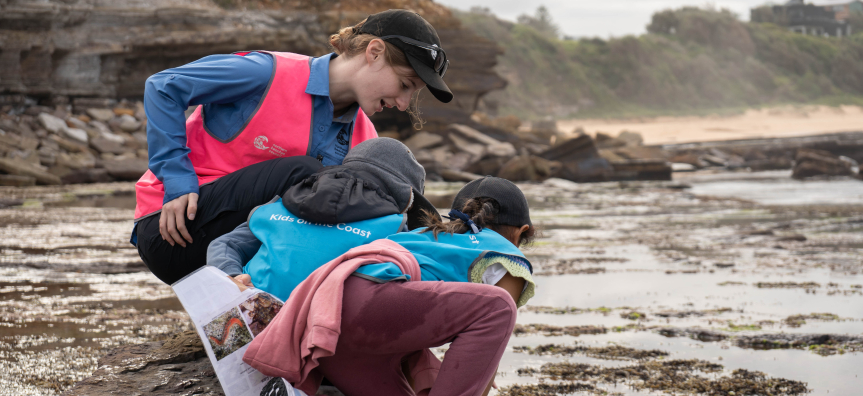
(410, 33)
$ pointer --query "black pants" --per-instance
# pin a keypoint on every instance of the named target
(222, 206)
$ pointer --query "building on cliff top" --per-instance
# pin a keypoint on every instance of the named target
(829, 19)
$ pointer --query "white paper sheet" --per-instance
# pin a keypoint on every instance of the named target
(227, 320)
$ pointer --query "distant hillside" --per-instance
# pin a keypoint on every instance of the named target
(691, 61)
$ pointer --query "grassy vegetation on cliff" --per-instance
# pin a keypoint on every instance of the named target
(691, 61)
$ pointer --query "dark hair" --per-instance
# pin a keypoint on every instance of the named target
(349, 42)
(482, 212)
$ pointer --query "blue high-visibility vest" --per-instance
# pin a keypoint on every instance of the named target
(449, 257)
(293, 248)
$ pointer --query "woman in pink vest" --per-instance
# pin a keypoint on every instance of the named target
(265, 121)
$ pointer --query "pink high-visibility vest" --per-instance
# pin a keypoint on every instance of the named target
(280, 127)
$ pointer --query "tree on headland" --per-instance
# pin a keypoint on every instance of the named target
(541, 21)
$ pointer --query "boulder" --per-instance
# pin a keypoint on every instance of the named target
(77, 134)
(631, 138)
(811, 163)
(102, 115)
(580, 160)
(67, 144)
(104, 145)
(21, 168)
(48, 155)
(29, 156)
(141, 139)
(17, 180)
(419, 141)
(119, 111)
(87, 175)
(689, 158)
(126, 170)
(460, 161)
(74, 122)
(682, 167)
(458, 176)
(175, 366)
(604, 141)
(129, 124)
(471, 134)
(11, 141)
(76, 160)
(52, 124)
(460, 144)
(528, 168)
(638, 163)
(503, 149)
(487, 166)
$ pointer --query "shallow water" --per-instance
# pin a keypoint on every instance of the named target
(777, 188)
(73, 287)
(665, 250)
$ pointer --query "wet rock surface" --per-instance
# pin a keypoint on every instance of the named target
(74, 289)
(613, 352)
(774, 153)
(178, 365)
(674, 376)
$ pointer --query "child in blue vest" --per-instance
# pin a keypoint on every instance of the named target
(473, 279)
(376, 192)
(472, 276)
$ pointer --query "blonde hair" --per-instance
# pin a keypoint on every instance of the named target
(349, 42)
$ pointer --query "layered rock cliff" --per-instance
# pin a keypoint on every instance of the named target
(53, 50)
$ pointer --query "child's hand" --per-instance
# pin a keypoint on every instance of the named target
(243, 281)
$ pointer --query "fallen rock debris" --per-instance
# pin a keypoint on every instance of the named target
(822, 344)
(787, 285)
(813, 163)
(684, 314)
(545, 389)
(177, 365)
(673, 376)
(611, 352)
(549, 330)
(799, 320)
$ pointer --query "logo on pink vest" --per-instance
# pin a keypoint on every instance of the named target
(260, 142)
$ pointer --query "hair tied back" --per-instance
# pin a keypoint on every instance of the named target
(456, 214)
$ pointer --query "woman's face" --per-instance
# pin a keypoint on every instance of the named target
(381, 85)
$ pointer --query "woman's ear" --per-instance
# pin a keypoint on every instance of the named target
(375, 51)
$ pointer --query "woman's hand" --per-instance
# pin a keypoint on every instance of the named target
(172, 220)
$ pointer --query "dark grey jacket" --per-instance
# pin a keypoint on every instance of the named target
(336, 194)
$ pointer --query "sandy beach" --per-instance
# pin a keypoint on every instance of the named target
(761, 123)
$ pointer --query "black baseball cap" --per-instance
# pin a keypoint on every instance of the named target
(513, 205)
(409, 24)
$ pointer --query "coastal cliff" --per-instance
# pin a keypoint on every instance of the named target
(60, 51)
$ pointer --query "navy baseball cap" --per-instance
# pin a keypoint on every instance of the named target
(514, 210)
(419, 41)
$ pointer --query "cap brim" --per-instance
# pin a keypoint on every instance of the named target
(433, 81)
(415, 213)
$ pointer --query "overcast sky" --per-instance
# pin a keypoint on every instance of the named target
(603, 18)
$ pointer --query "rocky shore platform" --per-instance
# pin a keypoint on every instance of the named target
(642, 286)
